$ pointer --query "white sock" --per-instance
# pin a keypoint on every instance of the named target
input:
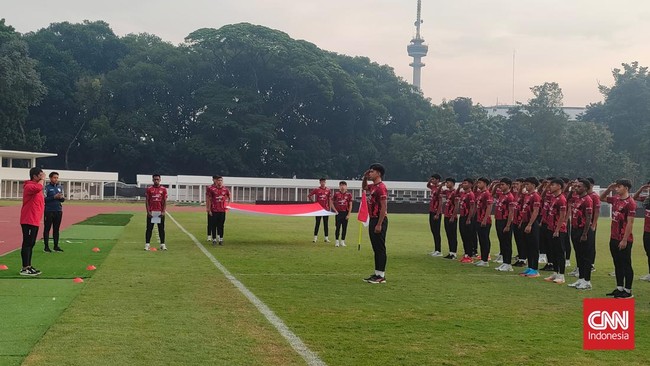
(315, 237)
(337, 242)
(627, 290)
(620, 288)
(380, 273)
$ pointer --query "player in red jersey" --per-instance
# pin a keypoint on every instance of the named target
(466, 208)
(156, 204)
(378, 212)
(341, 201)
(435, 213)
(217, 197)
(556, 230)
(504, 215)
(517, 194)
(582, 236)
(484, 202)
(643, 195)
(595, 199)
(322, 195)
(448, 200)
(530, 225)
(621, 238)
(546, 196)
(31, 212)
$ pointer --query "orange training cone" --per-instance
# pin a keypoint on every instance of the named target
(78, 280)
(153, 249)
(95, 249)
(3, 267)
(91, 267)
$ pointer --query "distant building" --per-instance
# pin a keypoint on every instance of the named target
(502, 110)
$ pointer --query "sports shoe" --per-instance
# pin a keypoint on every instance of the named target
(327, 240)
(505, 268)
(221, 241)
(214, 242)
(378, 279)
(436, 254)
(575, 284)
(559, 279)
(372, 277)
(584, 285)
(499, 259)
(482, 264)
(146, 246)
(614, 293)
(35, 271)
(645, 278)
(58, 249)
(163, 247)
(315, 239)
(519, 263)
(466, 259)
(623, 295)
(343, 243)
(26, 272)
(209, 237)
(450, 256)
(336, 243)
(575, 272)
(548, 267)
(612, 274)
(551, 277)
(526, 272)
(533, 273)
(47, 250)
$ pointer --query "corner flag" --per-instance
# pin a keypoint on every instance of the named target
(363, 215)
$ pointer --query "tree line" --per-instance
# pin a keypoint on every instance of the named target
(246, 100)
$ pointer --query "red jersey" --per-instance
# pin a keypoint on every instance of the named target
(156, 197)
(483, 200)
(530, 202)
(322, 196)
(450, 202)
(555, 207)
(517, 203)
(435, 199)
(218, 197)
(581, 207)
(504, 202)
(466, 201)
(342, 201)
(621, 210)
(378, 192)
(646, 224)
(548, 197)
(33, 203)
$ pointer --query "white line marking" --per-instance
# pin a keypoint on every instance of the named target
(296, 343)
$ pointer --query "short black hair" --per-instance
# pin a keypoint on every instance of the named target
(484, 180)
(343, 182)
(585, 182)
(558, 181)
(591, 180)
(625, 183)
(378, 167)
(469, 180)
(34, 172)
(322, 179)
(506, 181)
(550, 178)
(53, 174)
(532, 180)
(450, 179)
(152, 176)
(436, 176)
(520, 180)
(217, 177)
(565, 179)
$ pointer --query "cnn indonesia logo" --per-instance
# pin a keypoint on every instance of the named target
(608, 324)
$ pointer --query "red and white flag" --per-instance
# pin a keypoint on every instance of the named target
(300, 209)
(363, 215)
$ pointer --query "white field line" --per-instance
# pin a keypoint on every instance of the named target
(296, 343)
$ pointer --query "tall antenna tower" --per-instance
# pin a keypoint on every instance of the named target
(417, 49)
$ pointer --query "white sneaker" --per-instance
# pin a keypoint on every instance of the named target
(209, 237)
(567, 263)
(612, 274)
(551, 277)
(645, 278)
(163, 247)
(585, 285)
(499, 267)
(542, 259)
(482, 264)
(337, 243)
(499, 259)
(327, 240)
(575, 272)
(315, 239)
(575, 284)
(436, 254)
(146, 246)
(507, 268)
(343, 243)
(559, 279)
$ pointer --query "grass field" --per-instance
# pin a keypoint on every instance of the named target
(176, 308)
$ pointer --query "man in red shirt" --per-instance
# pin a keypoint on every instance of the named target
(156, 204)
(556, 230)
(530, 225)
(621, 239)
(216, 202)
(466, 208)
(517, 189)
(435, 212)
(449, 203)
(31, 213)
(484, 203)
(378, 212)
(322, 195)
(504, 214)
(341, 201)
(595, 199)
(582, 235)
(546, 196)
(645, 199)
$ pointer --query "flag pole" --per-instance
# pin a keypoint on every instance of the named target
(360, 230)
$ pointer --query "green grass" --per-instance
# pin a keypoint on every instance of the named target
(116, 219)
(175, 307)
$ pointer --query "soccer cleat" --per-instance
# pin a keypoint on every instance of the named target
(548, 267)
(343, 243)
(645, 278)
(58, 249)
(584, 285)
(482, 264)
(499, 259)
(163, 247)
(526, 272)
(575, 284)
(551, 277)
(146, 246)
(450, 256)
(327, 240)
(378, 279)
(209, 237)
(559, 279)
(466, 259)
(47, 250)
(623, 295)
(436, 253)
(575, 272)
(533, 273)
(370, 278)
(614, 293)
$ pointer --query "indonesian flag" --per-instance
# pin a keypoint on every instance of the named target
(301, 209)
(363, 215)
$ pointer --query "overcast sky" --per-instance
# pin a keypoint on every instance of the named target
(471, 42)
